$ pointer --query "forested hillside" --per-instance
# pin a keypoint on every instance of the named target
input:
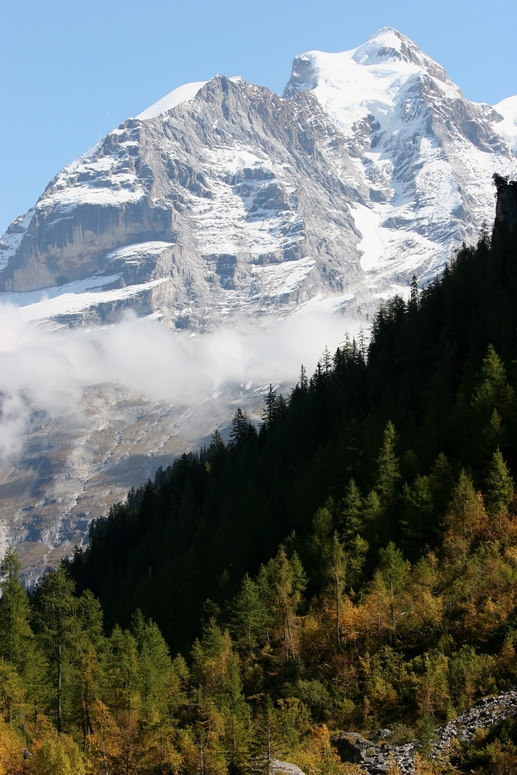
(350, 566)
(432, 396)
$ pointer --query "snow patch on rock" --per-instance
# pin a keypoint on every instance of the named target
(183, 93)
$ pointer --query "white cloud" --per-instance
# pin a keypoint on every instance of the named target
(43, 373)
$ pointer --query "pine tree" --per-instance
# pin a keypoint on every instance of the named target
(285, 582)
(268, 743)
(465, 516)
(350, 514)
(491, 405)
(16, 637)
(56, 607)
(413, 295)
(303, 382)
(418, 507)
(89, 647)
(499, 486)
(394, 571)
(154, 666)
(216, 444)
(388, 465)
(250, 617)
(270, 409)
(242, 429)
(335, 571)
(224, 724)
(57, 755)
(121, 674)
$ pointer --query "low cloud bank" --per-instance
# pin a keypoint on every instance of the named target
(44, 373)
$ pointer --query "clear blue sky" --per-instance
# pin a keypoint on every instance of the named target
(71, 70)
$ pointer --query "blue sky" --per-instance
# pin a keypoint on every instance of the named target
(71, 70)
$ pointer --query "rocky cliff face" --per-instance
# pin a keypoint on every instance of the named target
(506, 207)
(372, 167)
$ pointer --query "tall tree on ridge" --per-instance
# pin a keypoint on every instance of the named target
(55, 616)
(15, 633)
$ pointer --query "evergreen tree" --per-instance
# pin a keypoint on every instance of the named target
(16, 637)
(413, 295)
(89, 648)
(58, 755)
(242, 429)
(216, 447)
(441, 482)
(154, 665)
(388, 465)
(270, 409)
(121, 675)
(394, 572)
(335, 570)
(224, 722)
(465, 515)
(491, 406)
(418, 507)
(268, 743)
(303, 382)
(250, 617)
(499, 486)
(56, 607)
(350, 514)
(284, 580)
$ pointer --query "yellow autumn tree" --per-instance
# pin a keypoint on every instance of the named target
(320, 758)
(57, 755)
(11, 750)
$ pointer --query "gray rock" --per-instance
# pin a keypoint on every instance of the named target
(375, 758)
(285, 768)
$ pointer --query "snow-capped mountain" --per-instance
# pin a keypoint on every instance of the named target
(223, 201)
(223, 197)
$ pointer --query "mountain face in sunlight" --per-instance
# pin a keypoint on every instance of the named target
(257, 228)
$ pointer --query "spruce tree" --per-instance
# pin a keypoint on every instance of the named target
(499, 486)
(16, 636)
(417, 509)
(284, 579)
(154, 664)
(268, 743)
(350, 515)
(270, 411)
(250, 618)
(335, 571)
(242, 429)
(465, 516)
(394, 570)
(388, 465)
(56, 607)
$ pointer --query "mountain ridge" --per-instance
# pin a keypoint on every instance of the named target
(236, 207)
(403, 150)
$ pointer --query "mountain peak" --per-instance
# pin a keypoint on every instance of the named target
(365, 80)
(388, 44)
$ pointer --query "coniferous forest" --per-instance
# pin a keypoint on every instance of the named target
(350, 565)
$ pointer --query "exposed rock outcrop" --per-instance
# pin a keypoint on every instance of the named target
(506, 205)
(376, 757)
(285, 768)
